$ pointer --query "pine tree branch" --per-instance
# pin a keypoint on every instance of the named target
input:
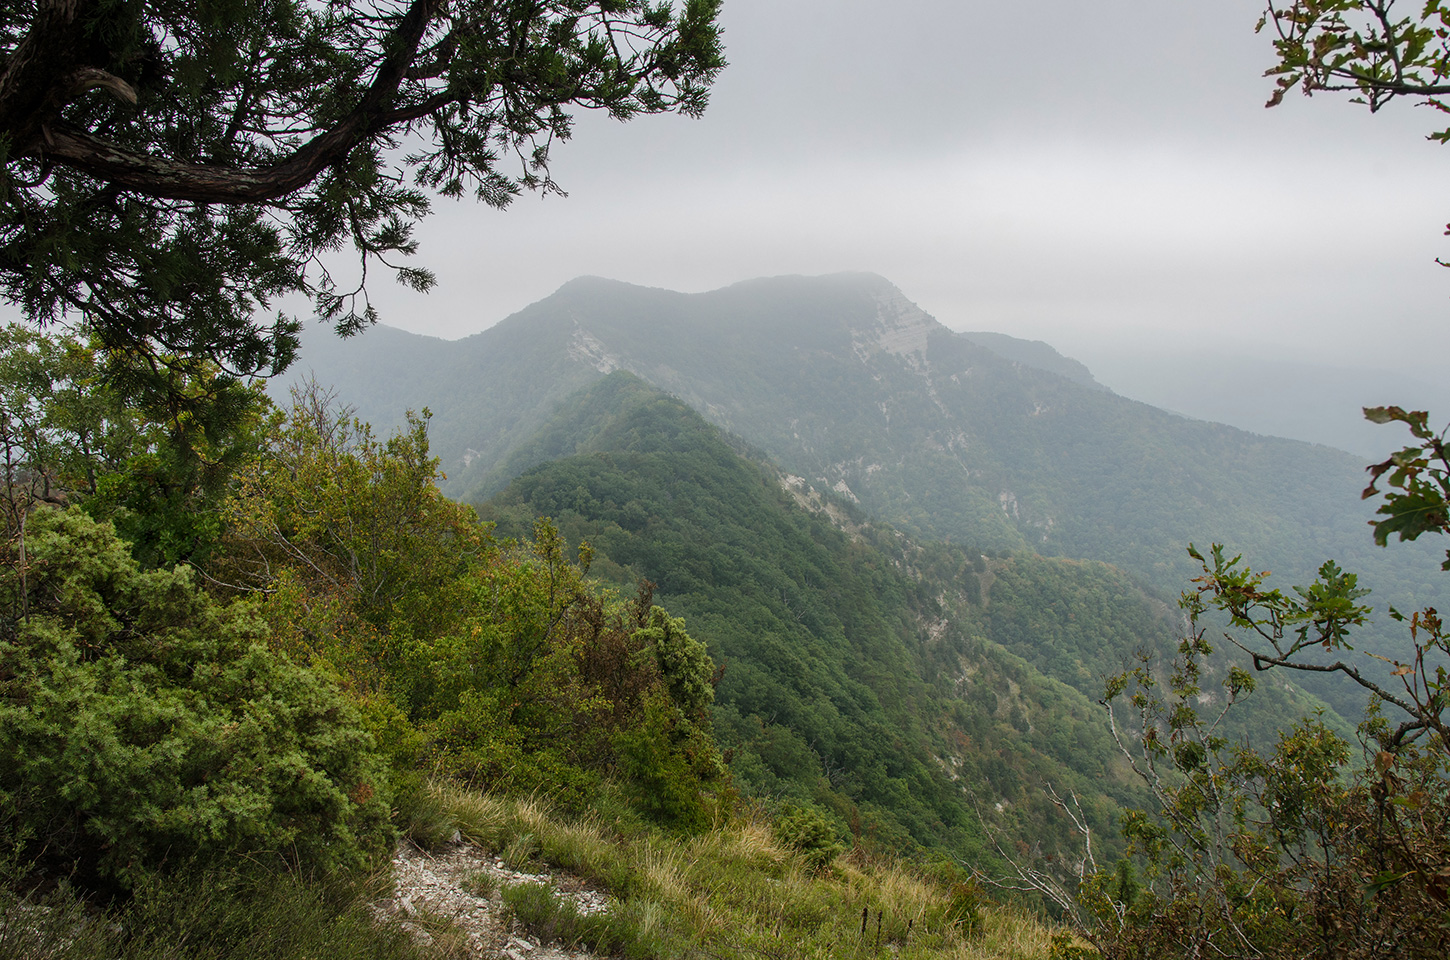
(165, 178)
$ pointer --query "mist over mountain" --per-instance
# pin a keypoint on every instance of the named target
(1316, 402)
(844, 382)
(1035, 354)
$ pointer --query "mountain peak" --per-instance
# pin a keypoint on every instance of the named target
(592, 285)
(848, 285)
(590, 281)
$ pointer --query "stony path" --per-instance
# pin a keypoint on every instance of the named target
(432, 900)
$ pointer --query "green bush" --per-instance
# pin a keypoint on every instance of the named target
(683, 662)
(810, 833)
(214, 914)
(665, 762)
(143, 723)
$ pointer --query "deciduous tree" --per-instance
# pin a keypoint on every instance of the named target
(1368, 48)
(1376, 50)
(1295, 850)
(156, 463)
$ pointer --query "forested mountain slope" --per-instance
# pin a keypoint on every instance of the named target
(844, 382)
(862, 672)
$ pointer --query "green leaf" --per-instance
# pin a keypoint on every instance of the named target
(1381, 881)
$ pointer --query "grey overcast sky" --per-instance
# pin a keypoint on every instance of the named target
(1077, 172)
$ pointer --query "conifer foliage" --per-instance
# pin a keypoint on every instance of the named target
(168, 168)
(142, 721)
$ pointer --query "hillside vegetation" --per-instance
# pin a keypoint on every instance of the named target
(209, 751)
(903, 688)
(246, 647)
(845, 383)
(845, 681)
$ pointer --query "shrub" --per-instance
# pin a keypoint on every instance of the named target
(683, 663)
(145, 723)
(810, 833)
(1293, 851)
(213, 914)
(665, 762)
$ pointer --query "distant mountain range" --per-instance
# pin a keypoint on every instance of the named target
(1316, 402)
(976, 438)
(995, 444)
(917, 552)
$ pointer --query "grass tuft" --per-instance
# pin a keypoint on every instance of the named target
(424, 818)
(209, 915)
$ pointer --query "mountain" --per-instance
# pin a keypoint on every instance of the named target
(845, 383)
(842, 380)
(908, 688)
(1036, 354)
(1320, 403)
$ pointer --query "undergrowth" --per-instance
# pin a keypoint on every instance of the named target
(739, 890)
(211, 915)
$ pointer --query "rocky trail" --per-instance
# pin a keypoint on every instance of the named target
(454, 895)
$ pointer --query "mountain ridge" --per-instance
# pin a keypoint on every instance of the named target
(848, 679)
(908, 685)
(845, 382)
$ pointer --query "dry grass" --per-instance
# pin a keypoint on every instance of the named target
(661, 868)
(481, 818)
(735, 892)
(754, 841)
(1007, 933)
